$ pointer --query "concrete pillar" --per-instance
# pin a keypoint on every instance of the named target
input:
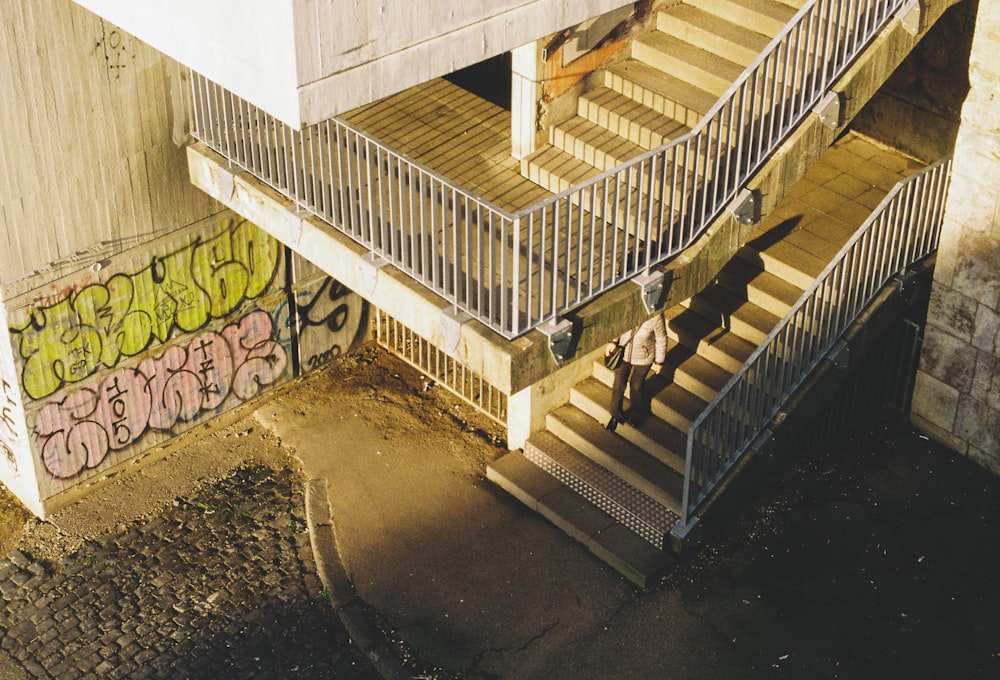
(526, 410)
(957, 394)
(526, 91)
(17, 468)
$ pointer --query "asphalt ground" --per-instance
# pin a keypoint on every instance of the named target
(873, 556)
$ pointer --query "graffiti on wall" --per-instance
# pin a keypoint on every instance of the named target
(328, 318)
(194, 329)
(207, 279)
(177, 387)
(9, 439)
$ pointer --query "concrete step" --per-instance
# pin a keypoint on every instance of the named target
(739, 43)
(724, 348)
(669, 401)
(609, 491)
(617, 455)
(765, 16)
(733, 312)
(558, 170)
(615, 543)
(660, 91)
(628, 118)
(701, 68)
(786, 261)
(694, 373)
(656, 437)
(555, 169)
(762, 288)
(592, 143)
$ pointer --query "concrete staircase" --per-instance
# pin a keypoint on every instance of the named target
(671, 77)
(620, 493)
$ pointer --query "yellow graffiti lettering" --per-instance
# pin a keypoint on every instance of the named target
(56, 350)
(167, 292)
(69, 339)
(106, 310)
(258, 251)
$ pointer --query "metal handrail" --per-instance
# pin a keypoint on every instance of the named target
(654, 218)
(903, 229)
(516, 270)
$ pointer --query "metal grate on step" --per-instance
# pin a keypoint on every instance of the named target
(607, 491)
(445, 370)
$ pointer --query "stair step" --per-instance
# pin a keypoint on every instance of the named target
(766, 16)
(701, 68)
(670, 401)
(628, 118)
(787, 262)
(759, 287)
(624, 550)
(732, 41)
(696, 374)
(557, 170)
(617, 455)
(729, 310)
(592, 143)
(662, 92)
(611, 492)
(658, 438)
(725, 348)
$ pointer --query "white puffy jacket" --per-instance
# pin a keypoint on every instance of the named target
(648, 345)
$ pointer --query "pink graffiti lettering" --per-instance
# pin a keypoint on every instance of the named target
(178, 387)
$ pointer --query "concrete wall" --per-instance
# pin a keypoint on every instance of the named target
(132, 306)
(92, 120)
(957, 396)
(307, 60)
(919, 108)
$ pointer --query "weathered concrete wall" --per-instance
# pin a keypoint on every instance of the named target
(92, 121)
(162, 338)
(957, 396)
(919, 108)
(133, 307)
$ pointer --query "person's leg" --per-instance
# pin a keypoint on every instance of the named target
(618, 390)
(639, 409)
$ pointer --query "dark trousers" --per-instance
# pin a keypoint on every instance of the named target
(635, 376)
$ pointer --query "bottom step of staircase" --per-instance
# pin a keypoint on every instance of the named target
(614, 543)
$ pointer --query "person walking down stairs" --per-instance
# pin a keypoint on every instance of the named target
(645, 348)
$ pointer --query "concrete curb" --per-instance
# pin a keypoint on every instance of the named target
(322, 537)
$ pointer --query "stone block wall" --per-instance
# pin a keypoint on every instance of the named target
(957, 394)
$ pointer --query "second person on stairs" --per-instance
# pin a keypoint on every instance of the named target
(645, 348)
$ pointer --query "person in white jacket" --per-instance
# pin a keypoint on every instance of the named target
(645, 348)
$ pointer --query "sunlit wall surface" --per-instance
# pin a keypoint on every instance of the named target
(957, 396)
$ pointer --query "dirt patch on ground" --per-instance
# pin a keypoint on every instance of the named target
(13, 517)
(396, 399)
(434, 418)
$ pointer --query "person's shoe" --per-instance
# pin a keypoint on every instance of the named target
(637, 418)
(612, 425)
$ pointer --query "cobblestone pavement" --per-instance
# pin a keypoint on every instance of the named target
(222, 585)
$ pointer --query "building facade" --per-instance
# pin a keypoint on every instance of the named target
(216, 206)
